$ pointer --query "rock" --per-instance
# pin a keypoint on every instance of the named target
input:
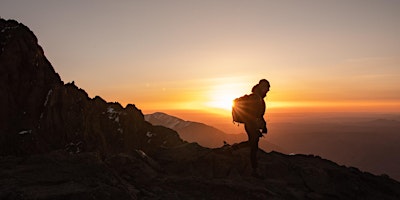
(41, 114)
(59, 175)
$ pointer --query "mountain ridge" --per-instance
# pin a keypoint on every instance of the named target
(190, 131)
(166, 120)
(57, 143)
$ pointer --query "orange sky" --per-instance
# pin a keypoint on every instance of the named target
(169, 55)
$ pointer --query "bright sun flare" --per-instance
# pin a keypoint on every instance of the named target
(222, 96)
(223, 102)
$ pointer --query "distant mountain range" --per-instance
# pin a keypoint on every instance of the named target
(191, 131)
(58, 143)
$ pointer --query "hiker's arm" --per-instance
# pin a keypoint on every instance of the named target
(261, 124)
(265, 129)
(264, 126)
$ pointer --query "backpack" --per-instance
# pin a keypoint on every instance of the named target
(242, 108)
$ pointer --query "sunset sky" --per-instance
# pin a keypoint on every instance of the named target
(333, 55)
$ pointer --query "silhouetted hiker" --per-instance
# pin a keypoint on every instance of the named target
(250, 110)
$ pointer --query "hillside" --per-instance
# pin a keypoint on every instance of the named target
(58, 143)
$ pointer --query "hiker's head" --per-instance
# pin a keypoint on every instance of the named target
(264, 82)
(261, 88)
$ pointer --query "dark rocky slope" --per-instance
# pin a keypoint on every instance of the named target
(40, 113)
(57, 143)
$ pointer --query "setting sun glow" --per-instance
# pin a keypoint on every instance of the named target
(221, 96)
(163, 56)
(223, 102)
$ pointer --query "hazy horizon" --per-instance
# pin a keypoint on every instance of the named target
(223, 121)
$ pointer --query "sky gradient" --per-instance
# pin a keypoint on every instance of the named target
(164, 55)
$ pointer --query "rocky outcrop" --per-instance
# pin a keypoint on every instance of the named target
(57, 143)
(40, 113)
(26, 77)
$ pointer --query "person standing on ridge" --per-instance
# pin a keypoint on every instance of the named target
(250, 110)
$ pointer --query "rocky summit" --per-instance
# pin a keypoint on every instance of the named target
(58, 143)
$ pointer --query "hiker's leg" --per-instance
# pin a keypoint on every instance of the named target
(253, 152)
(243, 144)
(253, 134)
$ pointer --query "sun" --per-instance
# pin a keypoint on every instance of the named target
(222, 101)
(222, 96)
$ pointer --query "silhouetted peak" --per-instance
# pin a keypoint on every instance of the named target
(52, 115)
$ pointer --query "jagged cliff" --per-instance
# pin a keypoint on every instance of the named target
(40, 113)
(57, 143)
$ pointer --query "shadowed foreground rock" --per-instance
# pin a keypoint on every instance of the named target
(58, 143)
(188, 171)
